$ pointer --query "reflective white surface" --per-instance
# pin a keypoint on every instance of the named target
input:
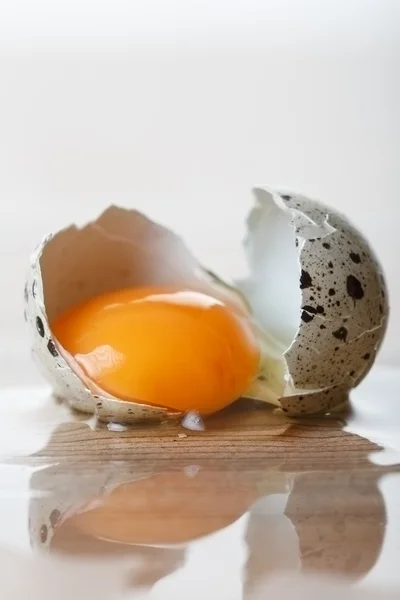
(216, 565)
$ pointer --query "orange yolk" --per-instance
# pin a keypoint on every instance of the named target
(176, 348)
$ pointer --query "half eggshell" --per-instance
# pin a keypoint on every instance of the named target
(121, 248)
(316, 287)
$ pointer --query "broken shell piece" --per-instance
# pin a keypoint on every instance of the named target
(319, 296)
(109, 409)
(314, 294)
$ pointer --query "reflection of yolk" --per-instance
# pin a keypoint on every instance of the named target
(168, 508)
(175, 348)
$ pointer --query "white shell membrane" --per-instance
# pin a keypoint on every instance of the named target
(320, 293)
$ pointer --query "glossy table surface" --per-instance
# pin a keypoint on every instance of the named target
(254, 494)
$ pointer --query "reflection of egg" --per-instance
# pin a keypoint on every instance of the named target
(172, 347)
(168, 508)
(139, 501)
(314, 298)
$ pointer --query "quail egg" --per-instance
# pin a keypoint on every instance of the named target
(127, 324)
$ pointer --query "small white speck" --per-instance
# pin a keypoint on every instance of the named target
(191, 470)
(182, 435)
(116, 427)
(193, 421)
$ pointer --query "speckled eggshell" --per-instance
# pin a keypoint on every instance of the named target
(344, 307)
(121, 248)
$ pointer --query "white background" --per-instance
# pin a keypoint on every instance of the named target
(179, 108)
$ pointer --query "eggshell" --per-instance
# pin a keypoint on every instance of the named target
(343, 311)
(314, 289)
(121, 248)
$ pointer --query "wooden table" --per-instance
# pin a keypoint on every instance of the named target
(253, 494)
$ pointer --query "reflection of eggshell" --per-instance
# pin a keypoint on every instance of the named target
(324, 298)
(66, 489)
(340, 521)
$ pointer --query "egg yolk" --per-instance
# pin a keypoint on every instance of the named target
(177, 348)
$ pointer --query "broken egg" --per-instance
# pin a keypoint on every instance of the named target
(162, 344)
(127, 324)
